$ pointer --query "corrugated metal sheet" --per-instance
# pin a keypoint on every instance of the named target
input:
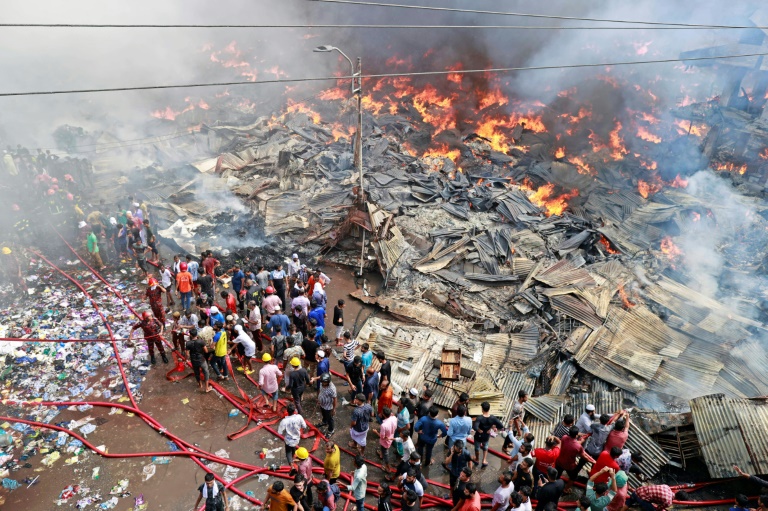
(576, 309)
(564, 273)
(731, 432)
(547, 408)
(562, 379)
(521, 345)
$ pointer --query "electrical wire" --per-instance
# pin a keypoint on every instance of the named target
(502, 27)
(528, 15)
(381, 75)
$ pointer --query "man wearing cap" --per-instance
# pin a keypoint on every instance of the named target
(268, 376)
(296, 381)
(215, 316)
(586, 419)
(155, 296)
(153, 331)
(327, 398)
(293, 269)
(323, 366)
(304, 465)
(271, 303)
(620, 497)
(291, 428)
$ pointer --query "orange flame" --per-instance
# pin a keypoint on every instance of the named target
(619, 150)
(625, 299)
(679, 182)
(333, 94)
(443, 151)
(542, 197)
(645, 189)
(648, 136)
(560, 153)
(731, 167)
(294, 107)
(670, 250)
(607, 244)
(582, 166)
(684, 127)
(764, 154)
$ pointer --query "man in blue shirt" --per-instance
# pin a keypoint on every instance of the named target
(238, 277)
(279, 322)
(459, 427)
(429, 428)
(193, 268)
(215, 316)
(318, 314)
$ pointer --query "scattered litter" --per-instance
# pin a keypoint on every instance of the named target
(149, 471)
(161, 460)
(120, 487)
(10, 484)
(185, 401)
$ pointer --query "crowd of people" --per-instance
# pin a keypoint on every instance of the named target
(246, 321)
(278, 316)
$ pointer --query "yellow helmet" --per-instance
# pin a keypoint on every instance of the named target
(295, 362)
(266, 357)
(302, 453)
(6, 250)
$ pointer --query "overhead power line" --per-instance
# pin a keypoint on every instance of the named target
(463, 27)
(526, 15)
(381, 75)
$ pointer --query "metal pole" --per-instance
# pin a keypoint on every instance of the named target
(359, 146)
(359, 151)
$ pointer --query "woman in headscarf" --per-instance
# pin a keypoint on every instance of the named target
(318, 295)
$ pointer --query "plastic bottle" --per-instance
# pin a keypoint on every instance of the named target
(95, 474)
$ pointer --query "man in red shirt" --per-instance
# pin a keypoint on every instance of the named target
(546, 457)
(471, 499)
(620, 432)
(606, 459)
(209, 265)
(229, 300)
(570, 449)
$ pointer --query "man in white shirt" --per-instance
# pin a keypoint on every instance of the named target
(293, 268)
(291, 428)
(501, 495)
(585, 420)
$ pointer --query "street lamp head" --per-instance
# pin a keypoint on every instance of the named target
(324, 48)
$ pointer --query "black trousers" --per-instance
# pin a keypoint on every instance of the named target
(328, 419)
(425, 451)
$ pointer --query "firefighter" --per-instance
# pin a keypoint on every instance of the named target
(153, 331)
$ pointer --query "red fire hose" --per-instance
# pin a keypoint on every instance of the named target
(195, 453)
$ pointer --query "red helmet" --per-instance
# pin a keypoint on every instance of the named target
(270, 290)
(68, 177)
(51, 191)
(54, 180)
(55, 187)
(152, 282)
(146, 315)
(70, 196)
(183, 266)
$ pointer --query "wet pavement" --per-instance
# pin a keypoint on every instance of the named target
(201, 419)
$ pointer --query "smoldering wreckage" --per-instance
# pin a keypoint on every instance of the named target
(572, 277)
(513, 257)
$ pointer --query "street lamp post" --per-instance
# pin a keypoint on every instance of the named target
(357, 90)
